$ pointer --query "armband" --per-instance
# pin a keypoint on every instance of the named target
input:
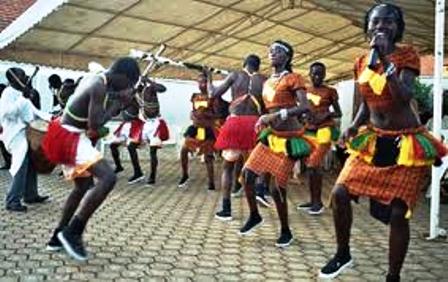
(283, 114)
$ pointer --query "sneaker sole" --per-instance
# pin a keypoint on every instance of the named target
(248, 232)
(53, 248)
(69, 249)
(223, 218)
(310, 212)
(334, 274)
(183, 184)
(263, 202)
(284, 245)
(237, 194)
(303, 208)
(136, 180)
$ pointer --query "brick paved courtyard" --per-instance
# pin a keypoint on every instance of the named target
(163, 233)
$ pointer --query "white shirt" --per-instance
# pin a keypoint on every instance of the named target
(16, 112)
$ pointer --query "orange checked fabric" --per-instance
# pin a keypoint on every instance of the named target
(373, 83)
(321, 99)
(281, 92)
(383, 183)
(262, 160)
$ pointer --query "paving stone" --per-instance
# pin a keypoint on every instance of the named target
(167, 234)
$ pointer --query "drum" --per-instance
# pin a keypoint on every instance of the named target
(35, 132)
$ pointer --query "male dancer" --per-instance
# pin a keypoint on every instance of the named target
(141, 123)
(129, 132)
(68, 142)
(282, 141)
(321, 126)
(237, 137)
(200, 136)
(391, 156)
(155, 129)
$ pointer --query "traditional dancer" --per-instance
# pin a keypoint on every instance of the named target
(237, 136)
(16, 113)
(322, 127)
(391, 156)
(155, 129)
(69, 142)
(282, 141)
(61, 92)
(129, 132)
(200, 136)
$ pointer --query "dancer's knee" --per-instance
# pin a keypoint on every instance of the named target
(249, 177)
(340, 195)
(398, 212)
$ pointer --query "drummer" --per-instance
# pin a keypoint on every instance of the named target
(16, 112)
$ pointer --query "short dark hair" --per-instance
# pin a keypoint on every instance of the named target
(69, 81)
(253, 61)
(398, 14)
(290, 53)
(320, 64)
(55, 81)
(14, 76)
(126, 66)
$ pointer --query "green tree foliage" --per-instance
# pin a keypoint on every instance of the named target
(423, 96)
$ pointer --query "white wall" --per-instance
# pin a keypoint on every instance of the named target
(175, 102)
(346, 93)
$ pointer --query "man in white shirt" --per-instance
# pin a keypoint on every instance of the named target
(16, 112)
(5, 155)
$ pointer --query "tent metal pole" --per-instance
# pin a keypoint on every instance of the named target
(435, 229)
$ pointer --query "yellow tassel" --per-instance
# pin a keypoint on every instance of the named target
(406, 152)
(200, 135)
(315, 99)
(277, 144)
(324, 135)
(408, 214)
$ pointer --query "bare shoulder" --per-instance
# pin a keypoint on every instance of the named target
(94, 84)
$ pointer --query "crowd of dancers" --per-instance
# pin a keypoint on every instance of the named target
(270, 124)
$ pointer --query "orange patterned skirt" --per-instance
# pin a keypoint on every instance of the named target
(264, 160)
(383, 184)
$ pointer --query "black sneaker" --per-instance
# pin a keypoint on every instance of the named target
(392, 278)
(263, 201)
(37, 200)
(17, 208)
(237, 191)
(285, 239)
(211, 186)
(136, 178)
(54, 245)
(183, 181)
(335, 266)
(223, 215)
(73, 245)
(251, 223)
(316, 209)
(305, 206)
(150, 182)
(118, 169)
